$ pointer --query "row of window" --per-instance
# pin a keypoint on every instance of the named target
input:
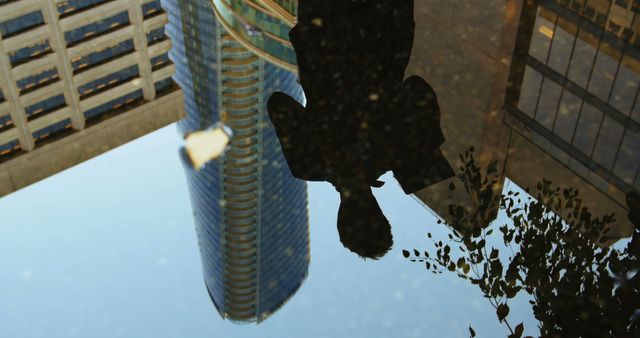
(614, 16)
(579, 95)
(34, 19)
(610, 73)
(76, 36)
(70, 7)
(93, 115)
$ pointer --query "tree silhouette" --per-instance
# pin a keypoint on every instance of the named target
(556, 251)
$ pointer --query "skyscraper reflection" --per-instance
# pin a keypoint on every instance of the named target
(250, 213)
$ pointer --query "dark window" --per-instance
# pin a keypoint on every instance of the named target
(582, 58)
(21, 24)
(25, 54)
(626, 85)
(163, 85)
(587, 128)
(628, 161)
(48, 131)
(530, 91)
(71, 7)
(548, 103)
(604, 71)
(97, 28)
(608, 142)
(567, 116)
(109, 81)
(159, 61)
(104, 55)
(151, 8)
(35, 81)
(155, 35)
(563, 39)
(112, 105)
(45, 106)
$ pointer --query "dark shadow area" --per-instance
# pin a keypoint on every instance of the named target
(362, 117)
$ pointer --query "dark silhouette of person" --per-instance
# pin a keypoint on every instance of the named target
(362, 118)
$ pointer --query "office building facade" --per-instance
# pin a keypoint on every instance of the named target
(575, 78)
(250, 213)
(79, 77)
(546, 88)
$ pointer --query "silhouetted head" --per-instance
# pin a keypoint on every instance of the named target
(362, 226)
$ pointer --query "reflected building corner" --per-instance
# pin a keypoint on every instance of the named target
(552, 94)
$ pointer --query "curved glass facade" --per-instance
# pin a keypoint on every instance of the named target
(261, 26)
(250, 212)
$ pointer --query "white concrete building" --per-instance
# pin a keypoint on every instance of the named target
(79, 77)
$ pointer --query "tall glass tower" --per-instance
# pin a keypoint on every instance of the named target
(250, 212)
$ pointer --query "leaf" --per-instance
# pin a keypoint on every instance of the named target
(489, 232)
(405, 253)
(512, 291)
(472, 332)
(481, 244)
(494, 253)
(519, 330)
(466, 268)
(416, 252)
(502, 311)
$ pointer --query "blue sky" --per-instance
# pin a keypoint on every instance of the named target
(108, 249)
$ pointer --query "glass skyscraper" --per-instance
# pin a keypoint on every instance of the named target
(574, 84)
(250, 212)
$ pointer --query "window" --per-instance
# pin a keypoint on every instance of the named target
(587, 128)
(25, 54)
(45, 106)
(582, 58)
(628, 162)
(608, 142)
(548, 103)
(626, 85)
(563, 39)
(529, 92)
(567, 116)
(542, 34)
(108, 81)
(604, 71)
(21, 24)
(91, 30)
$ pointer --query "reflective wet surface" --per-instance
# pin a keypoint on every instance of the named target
(343, 169)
